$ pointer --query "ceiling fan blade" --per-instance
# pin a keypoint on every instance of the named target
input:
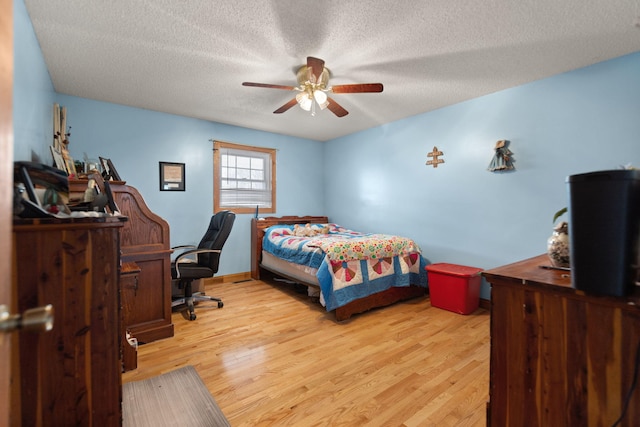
(268, 85)
(336, 108)
(315, 67)
(286, 106)
(358, 88)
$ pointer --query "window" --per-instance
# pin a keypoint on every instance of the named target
(243, 177)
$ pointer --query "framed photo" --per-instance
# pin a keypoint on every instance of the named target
(109, 171)
(111, 203)
(58, 159)
(171, 176)
(70, 166)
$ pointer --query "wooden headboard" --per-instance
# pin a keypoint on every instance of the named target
(257, 234)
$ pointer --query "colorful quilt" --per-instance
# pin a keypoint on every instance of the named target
(350, 265)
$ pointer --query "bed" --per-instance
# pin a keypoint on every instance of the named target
(351, 278)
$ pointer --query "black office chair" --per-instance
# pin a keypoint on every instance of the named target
(206, 264)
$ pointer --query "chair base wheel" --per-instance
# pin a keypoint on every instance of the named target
(189, 303)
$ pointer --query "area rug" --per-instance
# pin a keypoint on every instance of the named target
(176, 398)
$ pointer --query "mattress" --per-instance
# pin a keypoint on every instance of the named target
(295, 271)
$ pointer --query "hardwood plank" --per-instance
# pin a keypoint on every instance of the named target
(271, 356)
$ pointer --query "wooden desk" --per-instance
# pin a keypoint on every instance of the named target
(559, 357)
(144, 240)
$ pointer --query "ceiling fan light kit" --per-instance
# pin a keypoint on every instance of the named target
(313, 85)
(321, 98)
(304, 101)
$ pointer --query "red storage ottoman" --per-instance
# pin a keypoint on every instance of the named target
(454, 287)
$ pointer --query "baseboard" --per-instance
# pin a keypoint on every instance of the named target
(229, 278)
(485, 303)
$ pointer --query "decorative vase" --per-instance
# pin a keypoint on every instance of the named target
(558, 246)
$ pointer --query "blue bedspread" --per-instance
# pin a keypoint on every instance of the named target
(351, 265)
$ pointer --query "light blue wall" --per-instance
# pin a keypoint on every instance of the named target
(33, 94)
(576, 122)
(459, 212)
(137, 140)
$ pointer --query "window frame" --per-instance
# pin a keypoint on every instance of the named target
(217, 176)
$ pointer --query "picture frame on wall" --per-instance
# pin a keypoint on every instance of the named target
(172, 176)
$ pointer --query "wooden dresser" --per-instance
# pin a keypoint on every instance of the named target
(70, 375)
(145, 249)
(559, 357)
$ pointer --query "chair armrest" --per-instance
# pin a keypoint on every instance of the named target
(180, 249)
(191, 252)
(184, 247)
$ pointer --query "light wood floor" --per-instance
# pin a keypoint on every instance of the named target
(271, 357)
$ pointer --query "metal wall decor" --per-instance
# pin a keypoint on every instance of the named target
(435, 161)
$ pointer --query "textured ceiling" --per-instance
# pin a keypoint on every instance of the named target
(190, 57)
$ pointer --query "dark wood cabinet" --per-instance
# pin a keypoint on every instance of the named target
(559, 357)
(70, 375)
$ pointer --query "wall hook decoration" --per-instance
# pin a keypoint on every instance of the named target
(502, 158)
(435, 161)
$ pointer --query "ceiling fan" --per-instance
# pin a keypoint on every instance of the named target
(313, 80)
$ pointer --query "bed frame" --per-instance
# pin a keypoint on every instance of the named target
(380, 299)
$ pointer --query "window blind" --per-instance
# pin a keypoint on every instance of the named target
(245, 178)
